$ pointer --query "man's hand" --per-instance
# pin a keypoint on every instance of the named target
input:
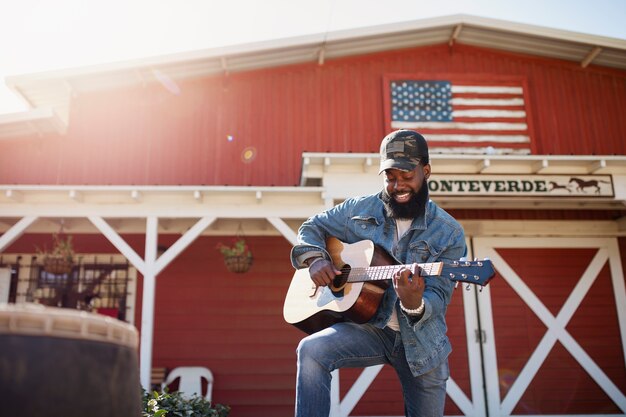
(323, 272)
(409, 287)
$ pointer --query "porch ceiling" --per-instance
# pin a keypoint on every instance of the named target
(326, 179)
(177, 208)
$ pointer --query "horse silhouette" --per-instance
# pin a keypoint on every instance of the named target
(582, 184)
(554, 186)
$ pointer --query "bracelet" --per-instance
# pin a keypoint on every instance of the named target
(415, 311)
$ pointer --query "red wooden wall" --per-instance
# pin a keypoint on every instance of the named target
(149, 135)
(230, 323)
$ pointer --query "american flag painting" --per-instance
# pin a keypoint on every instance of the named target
(462, 117)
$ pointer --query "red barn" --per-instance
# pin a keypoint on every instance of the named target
(150, 165)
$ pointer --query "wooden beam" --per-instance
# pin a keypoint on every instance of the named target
(224, 63)
(185, 240)
(16, 196)
(284, 229)
(590, 56)
(76, 196)
(455, 34)
(15, 231)
(320, 55)
(119, 243)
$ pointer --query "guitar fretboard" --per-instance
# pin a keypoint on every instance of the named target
(377, 273)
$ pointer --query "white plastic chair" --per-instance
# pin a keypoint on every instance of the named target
(191, 380)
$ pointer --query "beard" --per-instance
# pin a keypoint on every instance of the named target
(415, 207)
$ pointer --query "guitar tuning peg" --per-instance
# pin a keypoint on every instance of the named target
(456, 284)
(467, 287)
(480, 289)
(475, 259)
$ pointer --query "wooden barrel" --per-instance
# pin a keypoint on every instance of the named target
(61, 362)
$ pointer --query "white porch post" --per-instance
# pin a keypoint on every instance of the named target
(150, 267)
(153, 268)
(147, 307)
(335, 399)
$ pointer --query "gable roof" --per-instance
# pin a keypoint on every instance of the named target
(52, 90)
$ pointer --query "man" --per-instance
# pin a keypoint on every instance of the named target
(408, 330)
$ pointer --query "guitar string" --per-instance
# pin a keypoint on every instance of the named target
(382, 272)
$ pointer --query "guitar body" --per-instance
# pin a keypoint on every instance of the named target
(366, 271)
(312, 309)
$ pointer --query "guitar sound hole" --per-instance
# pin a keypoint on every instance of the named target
(340, 280)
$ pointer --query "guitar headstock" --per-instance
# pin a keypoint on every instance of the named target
(477, 272)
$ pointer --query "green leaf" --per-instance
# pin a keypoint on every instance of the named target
(177, 405)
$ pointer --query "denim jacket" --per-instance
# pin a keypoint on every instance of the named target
(435, 236)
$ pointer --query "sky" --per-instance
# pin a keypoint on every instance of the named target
(44, 35)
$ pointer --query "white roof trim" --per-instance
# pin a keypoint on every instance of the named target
(317, 40)
(39, 121)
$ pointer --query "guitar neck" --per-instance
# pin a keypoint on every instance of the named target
(383, 272)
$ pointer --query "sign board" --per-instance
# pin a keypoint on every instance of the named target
(522, 185)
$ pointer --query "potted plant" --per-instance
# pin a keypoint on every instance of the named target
(60, 259)
(166, 404)
(237, 256)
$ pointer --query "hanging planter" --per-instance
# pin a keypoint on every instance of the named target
(57, 266)
(238, 263)
(237, 257)
(60, 259)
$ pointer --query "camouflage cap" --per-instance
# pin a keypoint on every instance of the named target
(403, 150)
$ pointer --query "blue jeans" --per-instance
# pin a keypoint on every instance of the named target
(349, 345)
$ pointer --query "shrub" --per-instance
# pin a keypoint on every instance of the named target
(166, 404)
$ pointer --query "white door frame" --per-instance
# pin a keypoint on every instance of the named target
(608, 250)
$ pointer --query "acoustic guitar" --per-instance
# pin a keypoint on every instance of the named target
(366, 271)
